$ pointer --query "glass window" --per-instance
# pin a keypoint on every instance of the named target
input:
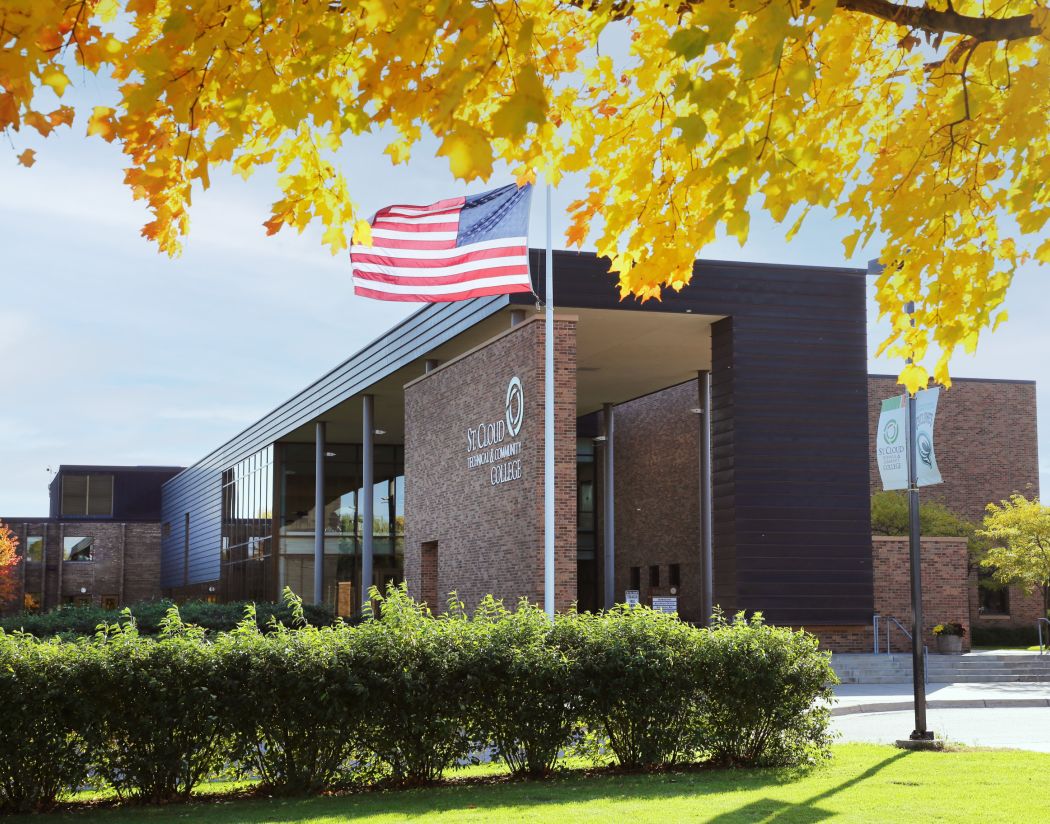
(343, 526)
(636, 577)
(74, 495)
(35, 549)
(78, 549)
(247, 503)
(674, 575)
(993, 597)
(87, 495)
(654, 576)
(100, 496)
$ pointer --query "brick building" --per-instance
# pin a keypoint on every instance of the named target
(987, 449)
(100, 543)
(420, 457)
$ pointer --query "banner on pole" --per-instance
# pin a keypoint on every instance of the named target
(891, 442)
(925, 413)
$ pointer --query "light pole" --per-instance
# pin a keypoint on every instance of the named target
(918, 669)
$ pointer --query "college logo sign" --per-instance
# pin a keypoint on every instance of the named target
(515, 406)
(493, 443)
(891, 449)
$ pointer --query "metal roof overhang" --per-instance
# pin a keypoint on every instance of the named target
(620, 354)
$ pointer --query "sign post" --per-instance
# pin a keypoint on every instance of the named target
(904, 449)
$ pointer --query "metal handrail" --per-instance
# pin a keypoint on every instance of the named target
(925, 649)
(1039, 628)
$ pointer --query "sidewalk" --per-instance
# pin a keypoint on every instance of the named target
(863, 698)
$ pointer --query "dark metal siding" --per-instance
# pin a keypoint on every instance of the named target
(136, 490)
(198, 490)
(790, 441)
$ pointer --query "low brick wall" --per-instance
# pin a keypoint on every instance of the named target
(944, 585)
(945, 588)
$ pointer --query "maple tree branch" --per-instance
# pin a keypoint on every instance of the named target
(946, 21)
(922, 18)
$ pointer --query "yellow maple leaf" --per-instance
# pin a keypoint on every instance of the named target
(56, 79)
(469, 152)
(101, 123)
(362, 233)
(27, 158)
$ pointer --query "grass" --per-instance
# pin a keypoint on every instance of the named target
(863, 783)
(1034, 648)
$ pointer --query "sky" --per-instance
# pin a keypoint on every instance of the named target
(112, 353)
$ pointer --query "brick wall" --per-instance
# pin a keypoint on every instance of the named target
(657, 465)
(490, 536)
(945, 593)
(125, 562)
(985, 437)
(944, 587)
(987, 449)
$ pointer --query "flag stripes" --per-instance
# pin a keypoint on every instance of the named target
(430, 253)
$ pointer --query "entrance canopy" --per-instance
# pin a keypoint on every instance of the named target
(621, 354)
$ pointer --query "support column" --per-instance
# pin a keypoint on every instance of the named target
(367, 484)
(609, 508)
(707, 598)
(123, 562)
(319, 520)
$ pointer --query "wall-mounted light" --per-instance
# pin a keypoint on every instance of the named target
(329, 454)
(600, 439)
(380, 431)
(696, 410)
(211, 589)
(83, 590)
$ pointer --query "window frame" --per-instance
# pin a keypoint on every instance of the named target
(86, 512)
(66, 549)
(43, 549)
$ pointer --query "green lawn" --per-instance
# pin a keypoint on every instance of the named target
(863, 783)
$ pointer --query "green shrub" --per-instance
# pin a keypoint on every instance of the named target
(159, 727)
(636, 669)
(421, 675)
(149, 617)
(1007, 636)
(530, 698)
(43, 751)
(766, 693)
(296, 702)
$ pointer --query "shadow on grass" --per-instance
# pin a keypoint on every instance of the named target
(486, 798)
(773, 811)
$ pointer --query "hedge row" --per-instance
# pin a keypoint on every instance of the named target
(1006, 636)
(399, 698)
(149, 616)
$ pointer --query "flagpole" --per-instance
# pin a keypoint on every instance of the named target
(548, 426)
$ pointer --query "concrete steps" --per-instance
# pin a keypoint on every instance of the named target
(970, 668)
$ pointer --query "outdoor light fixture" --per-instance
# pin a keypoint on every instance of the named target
(696, 410)
(83, 590)
(380, 431)
(329, 454)
(211, 589)
(600, 439)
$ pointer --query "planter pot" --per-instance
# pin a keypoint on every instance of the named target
(949, 644)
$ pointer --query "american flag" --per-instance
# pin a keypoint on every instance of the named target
(463, 247)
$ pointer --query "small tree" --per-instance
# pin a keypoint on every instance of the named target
(8, 565)
(1020, 552)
